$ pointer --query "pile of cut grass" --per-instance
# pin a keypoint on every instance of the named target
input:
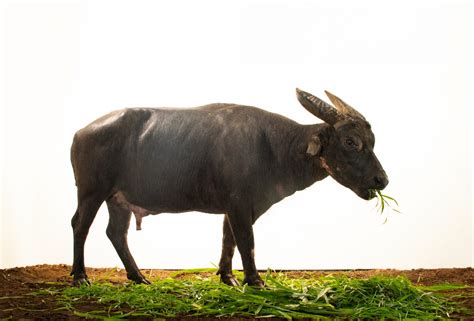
(320, 298)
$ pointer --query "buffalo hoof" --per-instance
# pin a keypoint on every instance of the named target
(255, 282)
(229, 279)
(138, 279)
(80, 281)
(142, 281)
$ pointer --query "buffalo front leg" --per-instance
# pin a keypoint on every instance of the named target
(117, 230)
(241, 225)
(228, 248)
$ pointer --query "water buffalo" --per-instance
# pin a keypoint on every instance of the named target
(220, 158)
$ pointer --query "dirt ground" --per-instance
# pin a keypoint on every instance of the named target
(16, 284)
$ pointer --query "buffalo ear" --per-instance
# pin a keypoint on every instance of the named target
(314, 146)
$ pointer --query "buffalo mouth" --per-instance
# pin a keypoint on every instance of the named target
(365, 193)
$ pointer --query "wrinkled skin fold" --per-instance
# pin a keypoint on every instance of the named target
(220, 159)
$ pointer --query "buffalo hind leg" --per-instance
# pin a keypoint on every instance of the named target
(117, 230)
(241, 225)
(81, 221)
(228, 248)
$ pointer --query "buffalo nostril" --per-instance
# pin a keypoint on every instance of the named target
(380, 181)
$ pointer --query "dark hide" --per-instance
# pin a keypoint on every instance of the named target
(220, 158)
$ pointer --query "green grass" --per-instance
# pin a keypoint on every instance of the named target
(384, 201)
(329, 297)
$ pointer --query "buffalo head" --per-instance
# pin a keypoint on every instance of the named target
(347, 150)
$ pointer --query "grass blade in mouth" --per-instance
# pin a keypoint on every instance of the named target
(384, 201)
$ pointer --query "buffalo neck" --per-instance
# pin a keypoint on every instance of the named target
(297, 170)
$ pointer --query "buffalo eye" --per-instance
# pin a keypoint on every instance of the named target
(352, 143)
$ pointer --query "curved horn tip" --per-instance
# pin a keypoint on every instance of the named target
(329, 94)
(343, 107)
(302, 94)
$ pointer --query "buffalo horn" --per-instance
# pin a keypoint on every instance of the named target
(318, 107)
(343, 107)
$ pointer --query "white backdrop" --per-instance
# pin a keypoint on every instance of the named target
(407, 66)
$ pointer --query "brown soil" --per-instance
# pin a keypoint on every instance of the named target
(16, 302)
